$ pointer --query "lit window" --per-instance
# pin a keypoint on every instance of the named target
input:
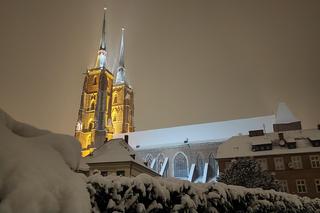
(317, 185)
(148, 160)
(115, 99)
(213, 166)
(263, 163)
(296, 162)
(92, 106)
(315, 161)
(200, 165)
(91, 125)
(94, 80)
(301, 186)
(283, 185)
(180, 166)
(160, 161)
(279, 163)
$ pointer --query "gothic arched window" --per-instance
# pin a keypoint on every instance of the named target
(95, 80)
(200, 165)
(92, 105)
(160, 161)
(148, 160)
(213, 166)
(180, 165)
(91, 125)
(115, 99)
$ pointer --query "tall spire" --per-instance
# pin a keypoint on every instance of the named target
(120, 75)
(121, 56)
(102, 53)
(103, 43)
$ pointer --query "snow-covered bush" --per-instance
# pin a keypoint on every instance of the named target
(35, 174)
(248, 173)
(147, 194)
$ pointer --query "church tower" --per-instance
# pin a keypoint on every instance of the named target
(94, 125)
(122, 97)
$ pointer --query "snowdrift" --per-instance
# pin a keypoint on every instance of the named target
(35, 170)
(147, 194)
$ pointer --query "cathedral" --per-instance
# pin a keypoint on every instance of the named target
(106, 106)
(106, 115)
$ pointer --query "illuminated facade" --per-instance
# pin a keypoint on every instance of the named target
(102, 102)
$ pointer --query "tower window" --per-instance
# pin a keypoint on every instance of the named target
(95, 80)
(92, 105)
(91, 125)
(115, 99)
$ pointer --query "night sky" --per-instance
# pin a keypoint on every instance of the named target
(188, 61)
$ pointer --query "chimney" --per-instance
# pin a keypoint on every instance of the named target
(126, 138)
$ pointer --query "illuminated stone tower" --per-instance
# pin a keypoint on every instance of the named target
(94, 124)
(122, 97)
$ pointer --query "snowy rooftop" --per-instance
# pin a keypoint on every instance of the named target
(116, 150)
(198, 133)
(240, 146)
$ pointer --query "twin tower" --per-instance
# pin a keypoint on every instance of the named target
(106, 106)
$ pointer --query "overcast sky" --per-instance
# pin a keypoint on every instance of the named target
(188, 61)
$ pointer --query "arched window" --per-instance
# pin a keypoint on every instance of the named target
(213, 166)
(148, 159)
(91, 125)
(95, 80)
(200, 165)
(92, 105)
(159, 163)
(180, 165)
(115, 99)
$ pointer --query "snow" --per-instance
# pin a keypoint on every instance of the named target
(240, 146)
(35, 174)
(144, 194)
(284, 115)
(198, 133)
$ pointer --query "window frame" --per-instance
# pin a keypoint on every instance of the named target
(277, 165)
(295, 162)
(283, 185)
(186, 165)
(317, 161)
(301, 185)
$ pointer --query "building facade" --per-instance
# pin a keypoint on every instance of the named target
(290, 153)
(189, 152)
(107, 105)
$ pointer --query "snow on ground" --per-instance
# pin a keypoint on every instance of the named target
(35, 174)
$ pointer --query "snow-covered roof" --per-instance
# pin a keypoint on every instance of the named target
(284, 115)
(197, 133)
(116, 150)
(240, 146)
